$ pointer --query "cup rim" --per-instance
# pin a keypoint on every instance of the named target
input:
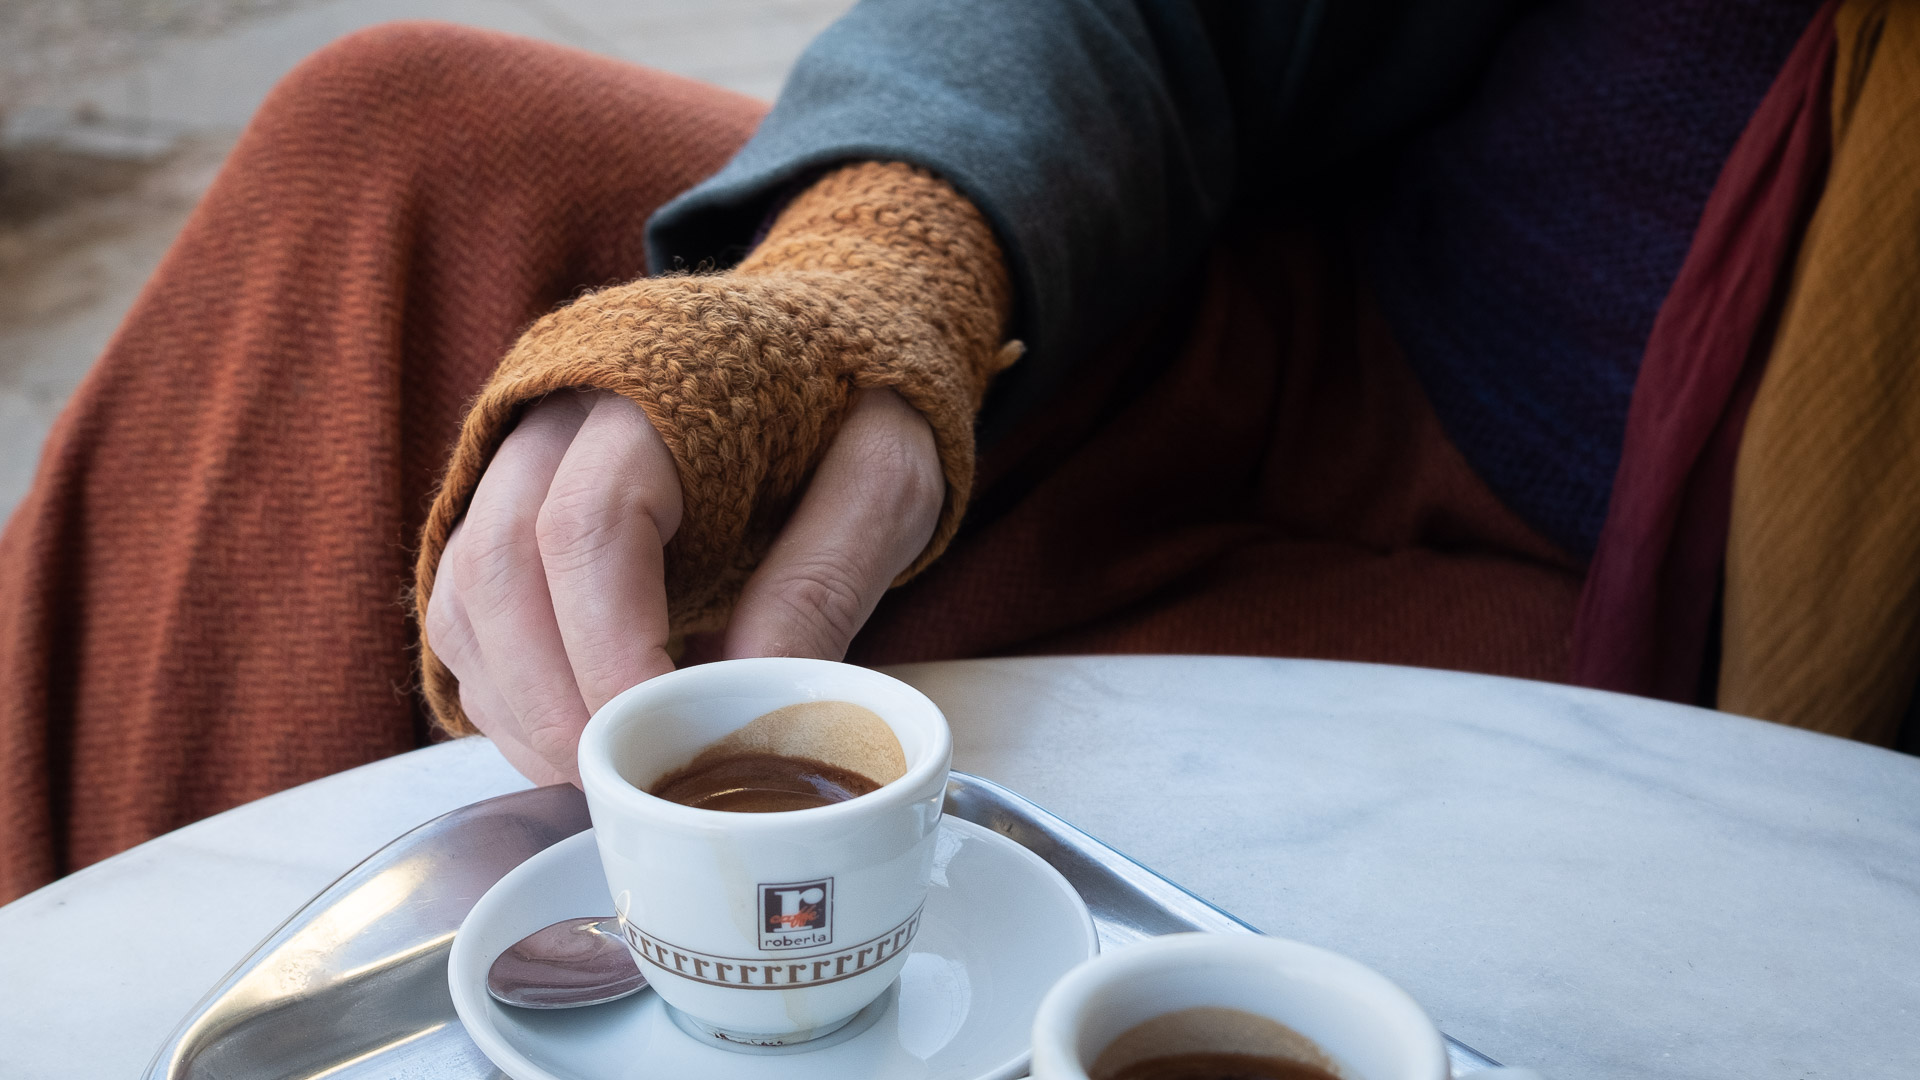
(1057, 1022)
(598, 772)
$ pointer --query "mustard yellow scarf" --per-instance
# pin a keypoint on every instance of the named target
(1822, 616)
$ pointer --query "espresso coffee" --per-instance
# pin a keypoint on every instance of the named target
(1206, 1065)
(753, 783)
(1212, 1043)
(795, 758)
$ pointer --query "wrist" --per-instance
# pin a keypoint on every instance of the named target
(915, 245)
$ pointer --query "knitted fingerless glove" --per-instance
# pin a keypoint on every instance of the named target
(878, 275)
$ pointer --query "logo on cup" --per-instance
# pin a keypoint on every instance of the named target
(796, 915)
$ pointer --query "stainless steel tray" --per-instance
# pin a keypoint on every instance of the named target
(355, 984)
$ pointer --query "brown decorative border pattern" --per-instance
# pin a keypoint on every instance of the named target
(773, 973)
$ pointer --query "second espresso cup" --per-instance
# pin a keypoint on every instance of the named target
(764, 929)
(1295, 1009)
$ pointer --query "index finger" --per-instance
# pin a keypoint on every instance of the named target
(613, 505)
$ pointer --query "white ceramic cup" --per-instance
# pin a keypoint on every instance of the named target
(1366, 1026)
(707, 898)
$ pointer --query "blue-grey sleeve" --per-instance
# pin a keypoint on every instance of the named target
(1103, 139)
(1097, 136)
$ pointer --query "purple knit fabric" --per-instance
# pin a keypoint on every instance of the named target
(1527, 242)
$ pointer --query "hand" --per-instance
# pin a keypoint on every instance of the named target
(551, 595)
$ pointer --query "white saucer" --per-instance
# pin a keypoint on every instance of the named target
(1001, 927)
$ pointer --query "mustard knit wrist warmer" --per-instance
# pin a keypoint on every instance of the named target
(878, 275)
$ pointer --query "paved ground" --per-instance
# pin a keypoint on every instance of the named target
(115, 114)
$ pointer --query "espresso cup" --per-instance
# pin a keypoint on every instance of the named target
(763, 929)
(1239, 994)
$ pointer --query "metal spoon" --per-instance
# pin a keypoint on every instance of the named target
(574, 962)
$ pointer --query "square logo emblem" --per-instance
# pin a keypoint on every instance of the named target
(796, 915)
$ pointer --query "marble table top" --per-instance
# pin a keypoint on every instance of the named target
(1590, 884)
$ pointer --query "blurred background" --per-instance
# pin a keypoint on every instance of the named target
(115, 115)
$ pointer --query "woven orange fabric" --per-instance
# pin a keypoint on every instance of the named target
(1822, 624)
(203, 599)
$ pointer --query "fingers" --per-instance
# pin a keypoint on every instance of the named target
(452, 636)
(551, 597)
(871, 508)
(448, 629)
(489, 712)
(517, 661)
(612, 506)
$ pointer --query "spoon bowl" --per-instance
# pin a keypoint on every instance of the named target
(574, 962)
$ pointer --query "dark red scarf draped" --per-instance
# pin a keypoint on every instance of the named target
(1646, 614)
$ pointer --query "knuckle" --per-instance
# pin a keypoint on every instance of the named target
(926, 491)
(446, 631)
(498, 575)
(550, 733)
(902, 467)
(574, 521)
(586, 512)
(822, 594)
(486, 554)
(606, 659)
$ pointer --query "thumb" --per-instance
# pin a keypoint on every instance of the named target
(869, 512)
